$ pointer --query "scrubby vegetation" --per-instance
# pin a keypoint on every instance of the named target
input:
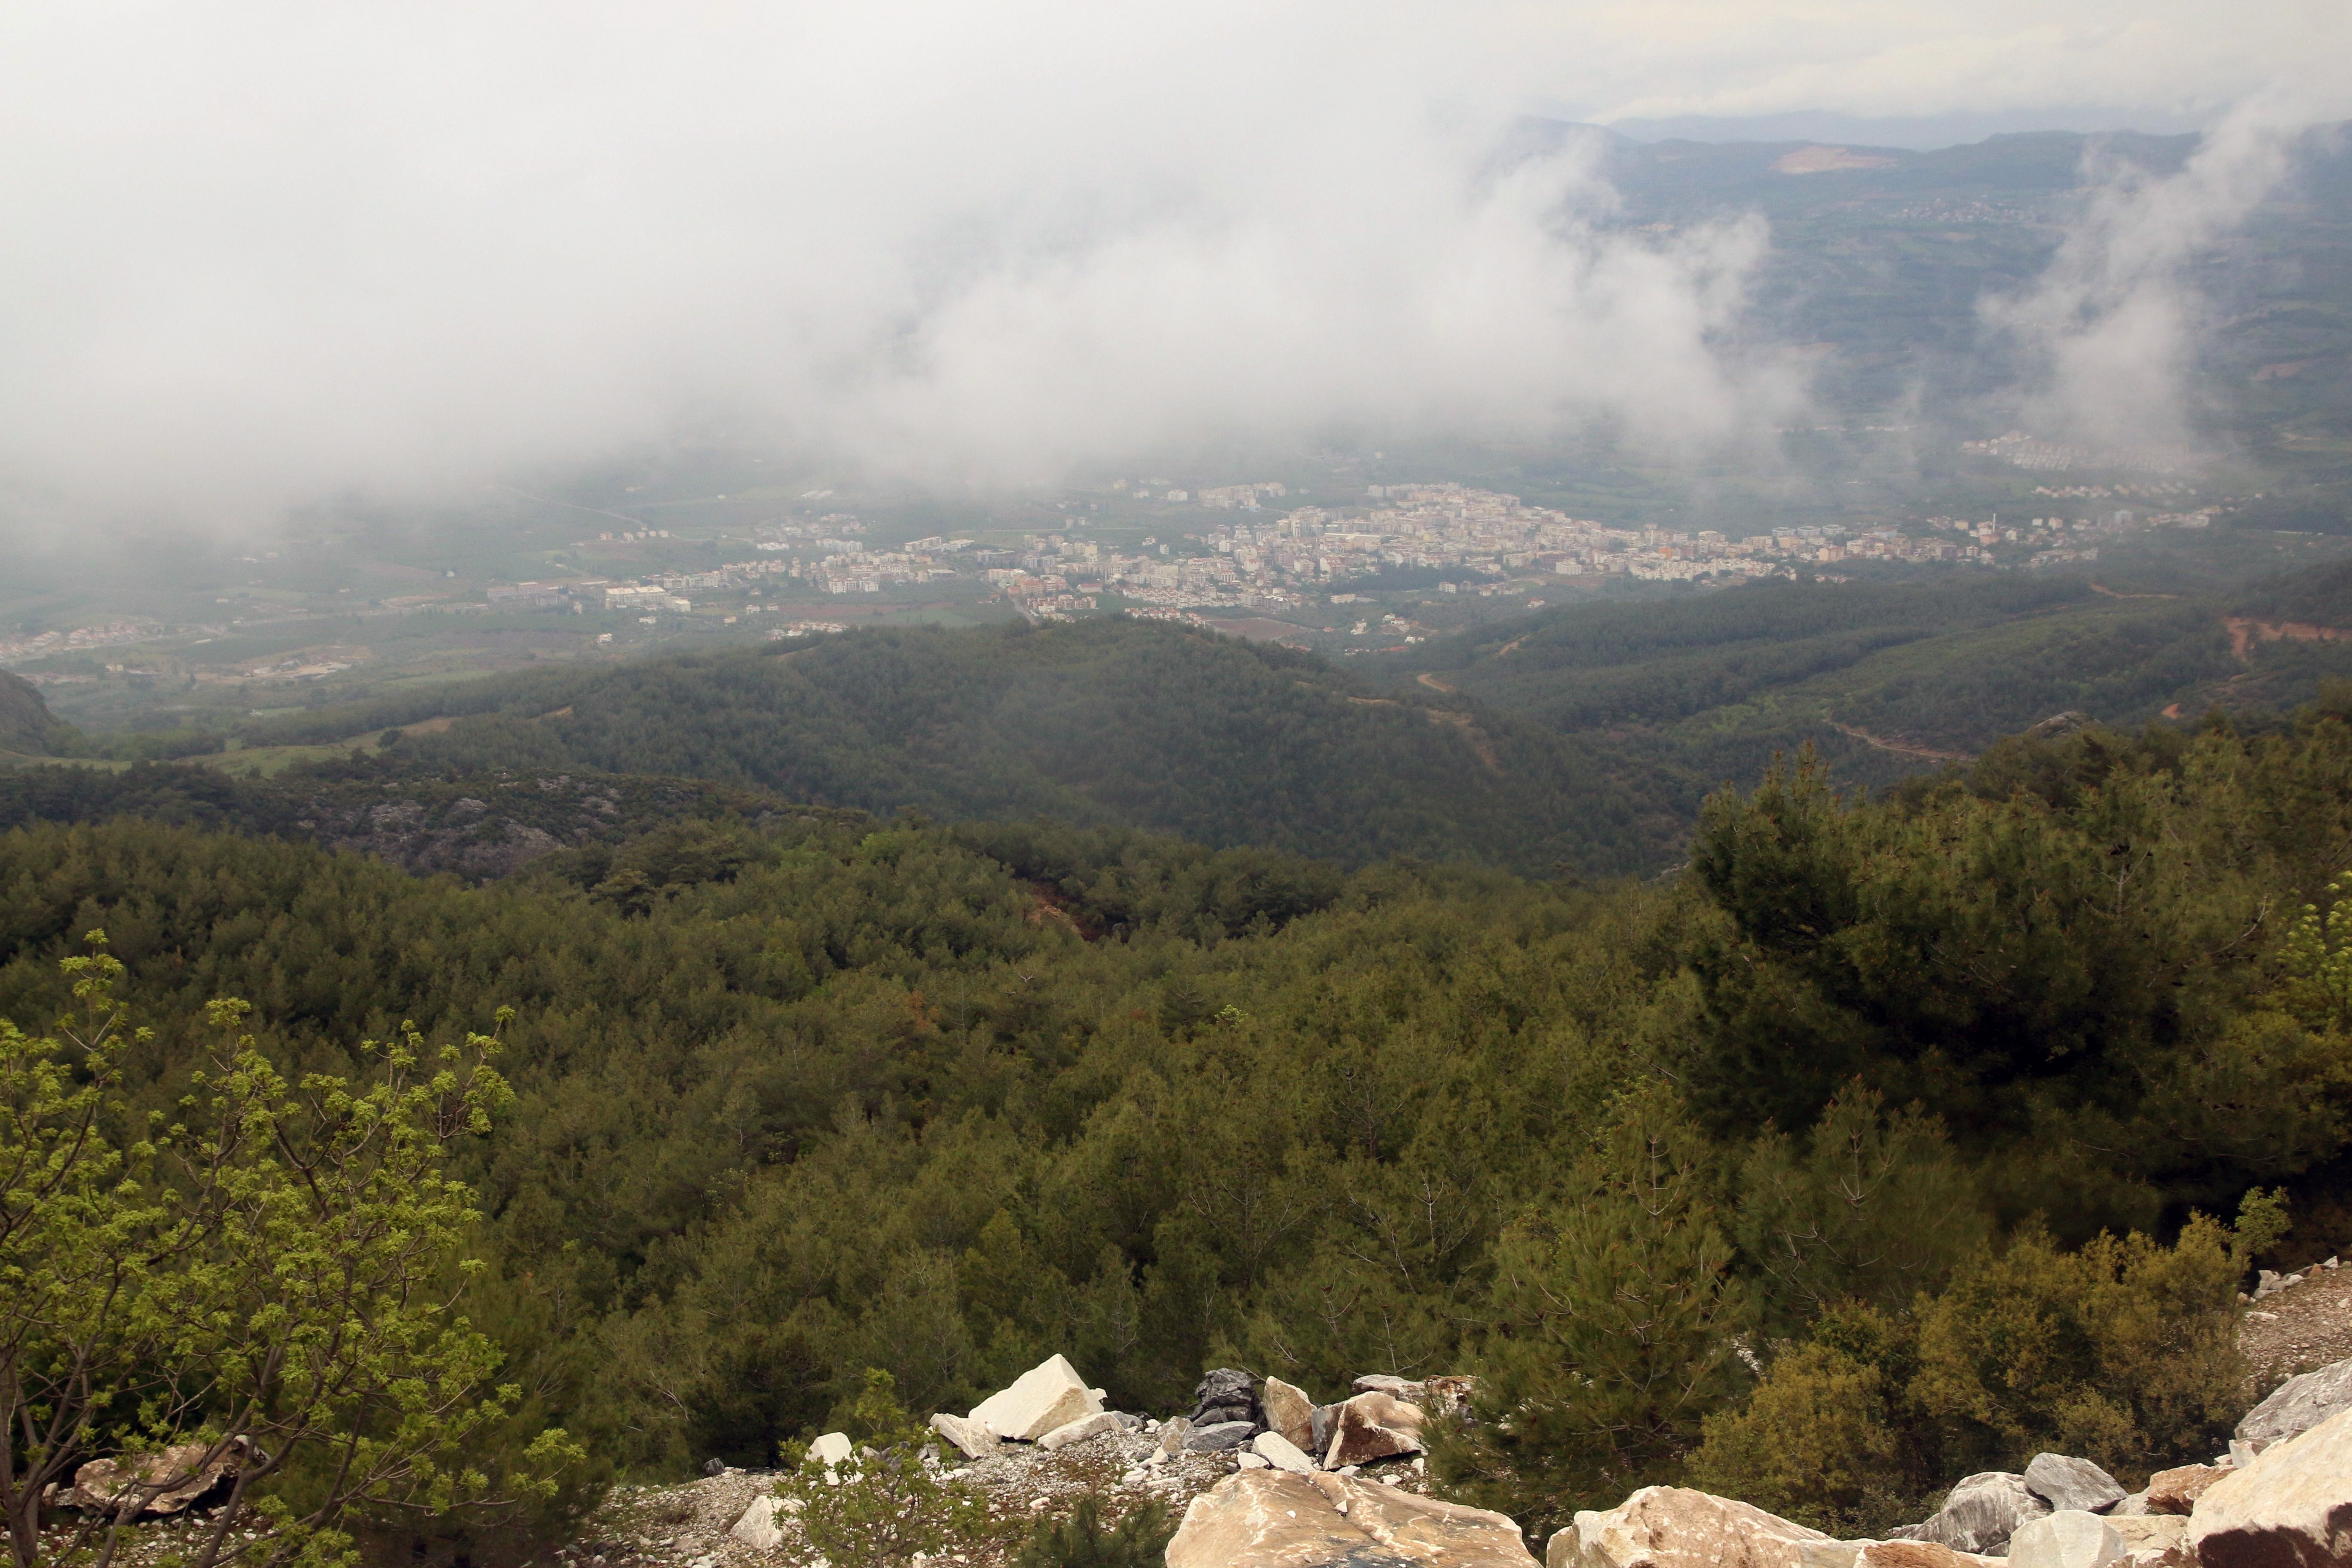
(1894, 1139)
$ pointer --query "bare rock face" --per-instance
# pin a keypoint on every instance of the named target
(1905, 1555)
(2298, 1404)
(1373, 1426)
(148, 1486)
(757, 1529)
(1273, 1518)
(2067, 1483)
(1289, 1412)
(972, 1439)
(1047, 1395)
(1980, 1514)
(2176, 1491)
(2291, 1508)
(1383, 1382)
(2153, 1541)
(2069, 1538)
(1674, 1527)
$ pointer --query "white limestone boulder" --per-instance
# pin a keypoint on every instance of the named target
(1274, 1518)
(1047, 1395)
(2291, 1508)
(1675, 1527)
(2067, 1538)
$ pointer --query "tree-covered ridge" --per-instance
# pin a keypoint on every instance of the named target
(1108, 724)
(800, 1099)
(1883, 679)
(26, 725)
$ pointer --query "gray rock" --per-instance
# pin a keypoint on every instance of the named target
(2299, 1404)
(1173, 1433)
(1218, 1436)
(1980, 1515)
(2068, 1483)
(1226, 1394)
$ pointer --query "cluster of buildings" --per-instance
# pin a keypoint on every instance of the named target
(101, 635)
(2025, 451)
(1452, 528)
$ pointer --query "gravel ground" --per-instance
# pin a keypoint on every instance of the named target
(2300, 1329)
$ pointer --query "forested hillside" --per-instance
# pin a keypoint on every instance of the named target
(26, 725)
(1885, 677)
(805, 1096)
(1102, 724)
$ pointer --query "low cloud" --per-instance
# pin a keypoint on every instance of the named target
(2111, 329)
(260, 252)
(266, 253)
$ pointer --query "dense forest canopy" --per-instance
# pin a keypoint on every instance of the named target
(802, 1093)
(1100, 723)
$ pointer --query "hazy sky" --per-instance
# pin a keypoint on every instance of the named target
(253, 252)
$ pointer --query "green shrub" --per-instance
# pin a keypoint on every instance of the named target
(1827, 1439)
(2124, 1352)
(1138, 1541)
(888, 1501)
(1615, 1315)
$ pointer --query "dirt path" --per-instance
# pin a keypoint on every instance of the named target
(1436, 685)
(1906, 748)
(2245, 633)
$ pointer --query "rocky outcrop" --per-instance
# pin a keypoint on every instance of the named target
(2291, 1508)
(1227, 1394)
(1980, 1513)
(2176, 1491)
(757, 1529)
(2298, 1404)
(2068, 1537)
(972, 1438)
(1086, 1427)
(1289, 1411)
(1895, 1554)
(157, 1485)
(1672, 1527)
(1218, 1436)
(2153, 1541)
(2068, 1483)
(1047, 1395)
(1273, 1518)
(1281, 1453)
(1373, 1426)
